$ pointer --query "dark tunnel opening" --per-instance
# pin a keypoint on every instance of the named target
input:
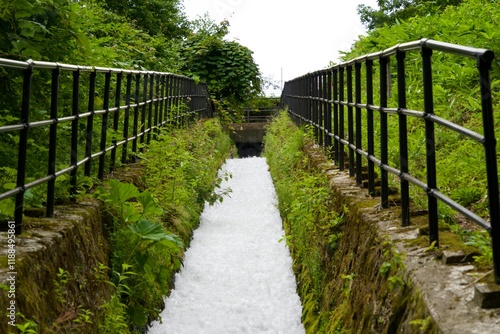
(246, 150)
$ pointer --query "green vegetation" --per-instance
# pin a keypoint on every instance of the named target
(150, 228)
(305, 203)
(390, 12)
(227, 67)
(113, 274)
(349, 280)
(461, 170)
(142, 35)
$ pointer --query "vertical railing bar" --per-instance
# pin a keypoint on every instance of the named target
(484, 66)
(23, 148)
(162, 101)
(317, 106)
(336, 146)
(384, 177)
(403, 139)
(104, 125)
(90, 123)
(135, 127)
(430, 146)
(370, 131)
(156, 107)
(359, 144)
(323, 109)
(74, 132)
(341, 118)
(126, 120)
(175, 101)
(51, 168)
(328, 113)
(143, 111)
(350, 120)
(150, 107)
(116, 119)
(168, 86)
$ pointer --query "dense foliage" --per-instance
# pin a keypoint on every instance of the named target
(179, 173)
(144, 35)
(306, 207)
(460, 161)
(390, 12)
(349, 277)
(227, 67)
(155, 17)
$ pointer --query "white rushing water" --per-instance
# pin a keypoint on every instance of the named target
(237, 277)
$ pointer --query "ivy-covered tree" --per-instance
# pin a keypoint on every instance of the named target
(227, 67)
(392, 11)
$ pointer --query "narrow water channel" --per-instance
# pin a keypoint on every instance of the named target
(237, 276)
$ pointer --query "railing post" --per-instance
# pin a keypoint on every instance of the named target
(104, 126)
(369, 125)
(90, 123)
(150, 108)
(359, 144)
(350, 120)
(54, 99)
(23, 147)
(384, 178)
(168, 101)
(318, 107)
(143, 111)
(430, 145)
(341, 118)
(336, 144)
(328, 112)
(74, 132)
(484, 66)
(135, 127)
(157, 107)
(403, 139)
(116, 118)
(162, 100)
(126, 121)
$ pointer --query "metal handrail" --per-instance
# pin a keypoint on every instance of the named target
(143, 102)
(318, 99)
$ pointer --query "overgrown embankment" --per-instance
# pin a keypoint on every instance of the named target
(105, 267)
(350, 279)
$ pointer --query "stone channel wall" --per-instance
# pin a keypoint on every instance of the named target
(57, 271)
(424, 294)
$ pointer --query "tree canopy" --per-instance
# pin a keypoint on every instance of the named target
(392, 11)
(155, 17)
(227, 67)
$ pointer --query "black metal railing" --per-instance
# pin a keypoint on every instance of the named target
(131, 107)
(319, 99)
(259, 115)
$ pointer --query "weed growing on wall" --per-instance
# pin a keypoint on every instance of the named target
(349, 280)
(305, 203)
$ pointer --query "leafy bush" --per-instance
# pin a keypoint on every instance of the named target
(460, 161)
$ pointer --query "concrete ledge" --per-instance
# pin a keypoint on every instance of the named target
(74, 241)
(487, 295)
(448, 290)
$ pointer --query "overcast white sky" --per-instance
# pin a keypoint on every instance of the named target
(292, 37)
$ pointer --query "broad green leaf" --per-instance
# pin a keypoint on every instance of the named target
(146, 229)
(149, 204)
(121, 192)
